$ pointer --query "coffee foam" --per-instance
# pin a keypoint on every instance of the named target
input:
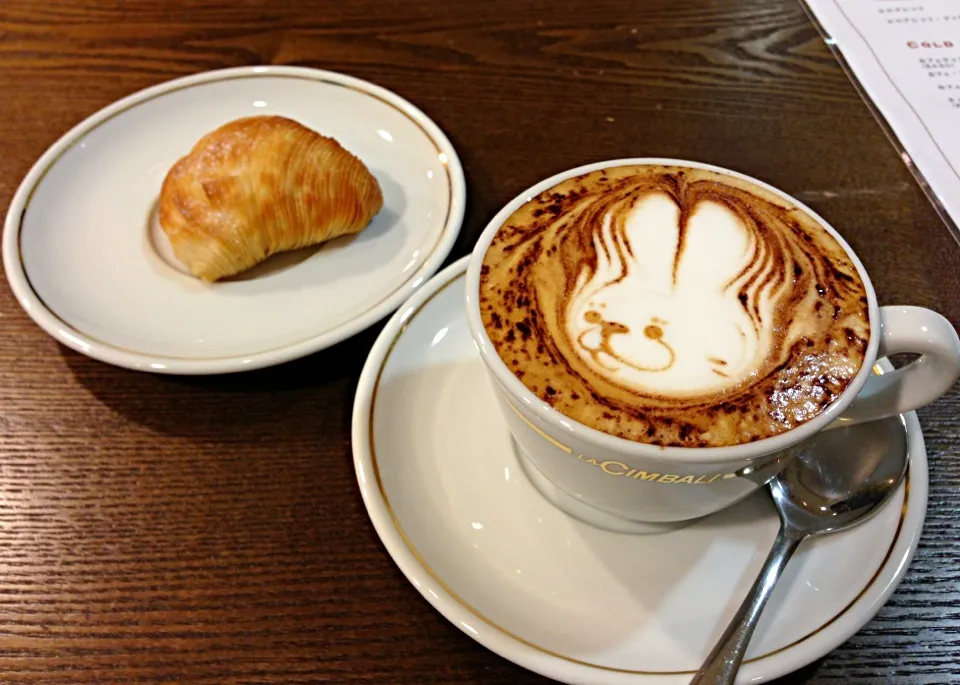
(674, 306)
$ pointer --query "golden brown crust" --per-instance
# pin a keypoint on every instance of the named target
(258, 186)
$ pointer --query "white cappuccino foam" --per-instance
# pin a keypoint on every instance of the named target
(660, 314)
(674, 306)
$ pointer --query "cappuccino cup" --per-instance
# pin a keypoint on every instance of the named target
(664, 335)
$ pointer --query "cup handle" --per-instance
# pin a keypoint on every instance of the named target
(913, 330)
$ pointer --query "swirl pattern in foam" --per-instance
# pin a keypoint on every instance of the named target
(674, 306)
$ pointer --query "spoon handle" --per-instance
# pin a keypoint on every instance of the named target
(720, 668)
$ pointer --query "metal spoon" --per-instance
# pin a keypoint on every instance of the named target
(838, 480)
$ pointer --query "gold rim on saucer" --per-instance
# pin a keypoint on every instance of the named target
(459, 599)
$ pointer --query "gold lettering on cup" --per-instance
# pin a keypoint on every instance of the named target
(608, 465)
(706, 478)
(619, 469)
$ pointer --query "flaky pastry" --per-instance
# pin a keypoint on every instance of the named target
(258, 186)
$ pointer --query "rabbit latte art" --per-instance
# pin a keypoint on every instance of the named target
(674, 306)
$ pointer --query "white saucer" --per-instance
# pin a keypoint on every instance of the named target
(445, 492)
(86, 259)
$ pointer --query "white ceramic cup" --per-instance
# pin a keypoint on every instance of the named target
(656, 487)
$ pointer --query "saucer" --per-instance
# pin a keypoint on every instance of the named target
(443, 487)
(86, 258)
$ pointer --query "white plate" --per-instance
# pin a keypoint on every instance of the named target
(86, 259)
(451, 504)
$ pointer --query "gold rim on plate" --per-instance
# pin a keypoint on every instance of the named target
(80, 135)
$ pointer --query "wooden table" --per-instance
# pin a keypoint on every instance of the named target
(209, 530)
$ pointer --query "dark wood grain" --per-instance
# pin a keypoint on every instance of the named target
(209, 530)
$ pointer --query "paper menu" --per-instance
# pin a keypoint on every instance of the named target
(904, 55)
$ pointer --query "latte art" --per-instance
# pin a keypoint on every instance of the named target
(675, 309)
(674, 306)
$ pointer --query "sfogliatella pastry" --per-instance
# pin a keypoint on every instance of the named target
(258, 186)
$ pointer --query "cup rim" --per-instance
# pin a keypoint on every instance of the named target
(629, 448)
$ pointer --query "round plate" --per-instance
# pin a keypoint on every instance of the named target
(446, 494)
(86, 259)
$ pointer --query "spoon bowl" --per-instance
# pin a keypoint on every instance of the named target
(842, 477)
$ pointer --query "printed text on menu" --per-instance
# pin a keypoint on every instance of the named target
(905, 54)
